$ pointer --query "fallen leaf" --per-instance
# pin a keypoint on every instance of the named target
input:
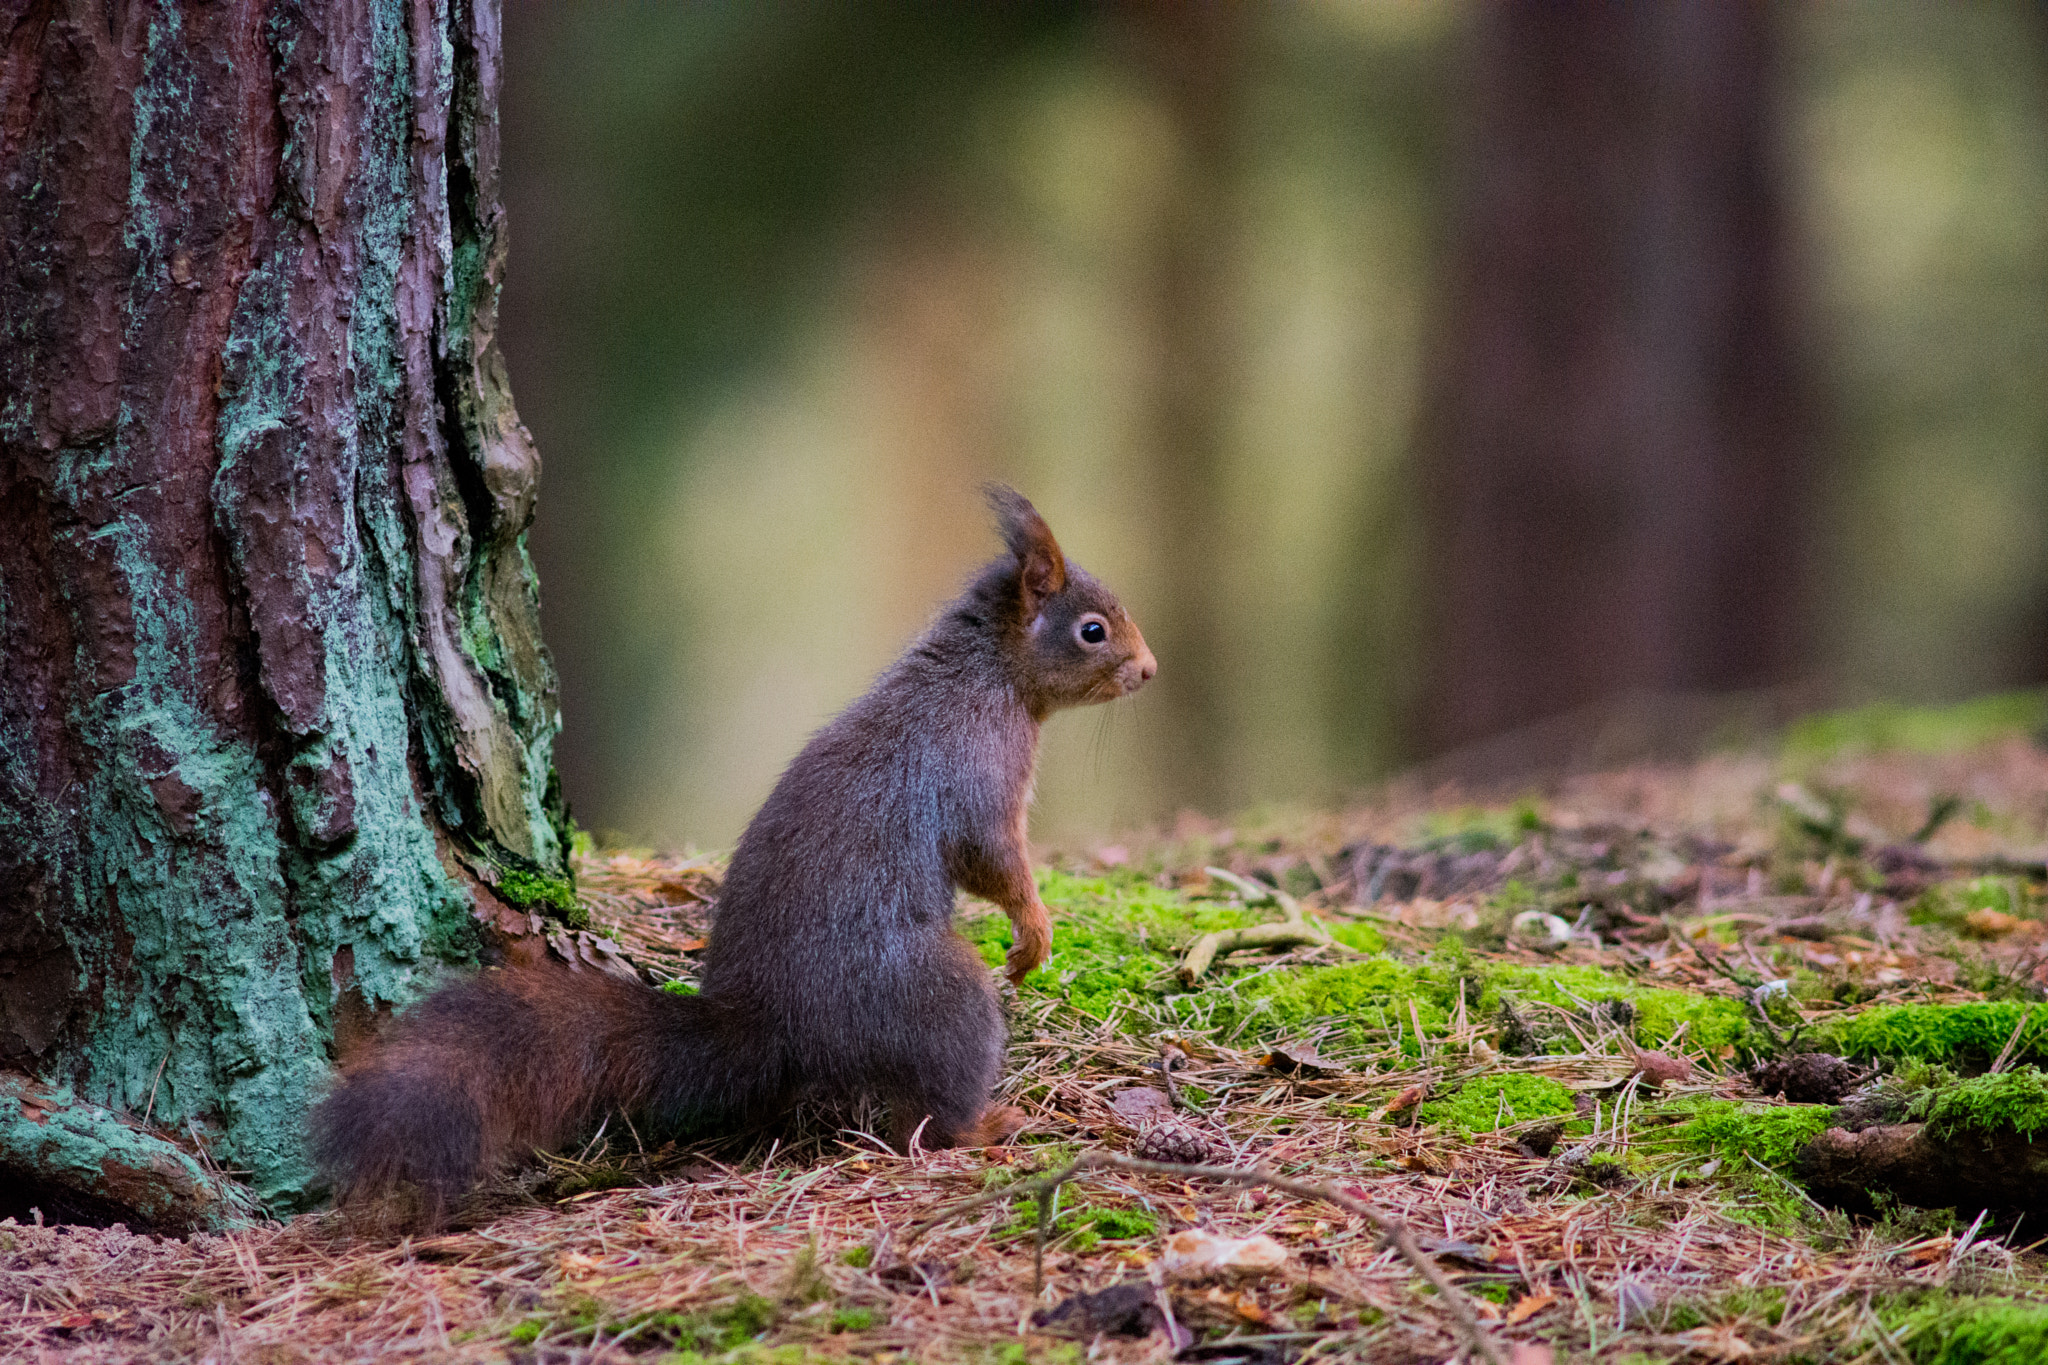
(1988, 923)
(1139, 1104)
(1468, 1253)
(1192, 1253)
(1404, 1101)
(1529, 1305)
(1928, 1252)
(1722, 1342)
(1658, 1067)
(1244, 1305)
(1122, 1310)
(1298, 1059)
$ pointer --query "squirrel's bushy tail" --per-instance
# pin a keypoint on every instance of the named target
(487, 1070)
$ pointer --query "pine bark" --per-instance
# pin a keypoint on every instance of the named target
(275, 715)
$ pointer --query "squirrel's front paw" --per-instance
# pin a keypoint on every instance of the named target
(1032, 946)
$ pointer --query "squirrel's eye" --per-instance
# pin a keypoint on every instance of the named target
(1094, 632)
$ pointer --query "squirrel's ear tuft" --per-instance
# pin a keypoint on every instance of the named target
(1041, 568)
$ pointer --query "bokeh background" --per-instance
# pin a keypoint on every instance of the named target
(1482, 386)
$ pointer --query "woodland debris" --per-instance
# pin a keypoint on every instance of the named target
(1404, 1102)
(1298, 1059)
(95, 1166)
(1294, 931)
(1131, 1309)
(1965, 1171)
(1194, 1254)
(1173, 1140)
(1808, 1078)
(1137, 1105)
(1988, 923)
(1395, 1232)
(1540, 929)
(1657, 1068)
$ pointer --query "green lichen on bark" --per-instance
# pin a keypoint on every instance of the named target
(85, 1154)
(276, 707)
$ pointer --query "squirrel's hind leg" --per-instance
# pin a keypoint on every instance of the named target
(936, 1070)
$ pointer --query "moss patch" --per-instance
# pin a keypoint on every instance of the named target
(1492, 1102)
(1772, 1134)
(2015, 1101)
(1113, 937)
(1711, 1022)
(1117, 938)
(1082, 1229)
(1971, 1034)
(1938, 1330)
(553, 896)
(1921, 729)
(1377, 998)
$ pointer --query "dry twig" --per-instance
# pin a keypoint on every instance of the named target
(1292, 932)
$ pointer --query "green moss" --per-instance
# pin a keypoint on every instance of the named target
(1478, 829)
(554, 896)
(1951, 903)
(1117, 938)
(1114, 937)
(1376, 997)
(1027, 1353)
(753, 1353)
(1971, 1034)
(1490, 1102)
(1772, 1134)
(724, 1328)
(1922, 729)
(2012, 1101)
(1711, 1022)
(1939, 1330)
(1118, 1225)
(1359, 936)
(854, 1319)
(860, 1258)
(1082, 1229)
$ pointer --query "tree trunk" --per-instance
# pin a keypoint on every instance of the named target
(275, 717)
(1194, 57)
(1619, 446)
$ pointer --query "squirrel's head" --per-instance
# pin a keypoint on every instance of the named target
(1073, 643)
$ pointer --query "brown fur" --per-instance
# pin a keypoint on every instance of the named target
(833, 970)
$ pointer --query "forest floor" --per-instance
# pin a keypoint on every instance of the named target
(1517, 1054)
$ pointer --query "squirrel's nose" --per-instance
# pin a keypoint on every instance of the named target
(1147, 666)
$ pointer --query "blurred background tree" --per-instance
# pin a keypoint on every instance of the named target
(1417, 370)
(1620, 439)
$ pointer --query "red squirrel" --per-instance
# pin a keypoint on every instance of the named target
(833, 970)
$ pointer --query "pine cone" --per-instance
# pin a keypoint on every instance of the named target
(1174, 1141)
